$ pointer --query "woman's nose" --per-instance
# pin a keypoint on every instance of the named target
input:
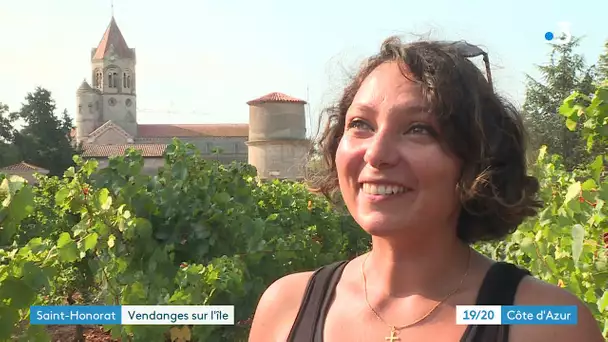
(382, 151)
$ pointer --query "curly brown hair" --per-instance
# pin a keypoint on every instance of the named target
(484, 130)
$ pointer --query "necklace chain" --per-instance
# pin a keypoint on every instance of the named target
(395, 328)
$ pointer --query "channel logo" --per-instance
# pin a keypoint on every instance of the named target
(561, 36)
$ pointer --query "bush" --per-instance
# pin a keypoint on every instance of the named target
(567, 244)
(196, 233)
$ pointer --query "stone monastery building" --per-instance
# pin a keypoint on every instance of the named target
(274, 141)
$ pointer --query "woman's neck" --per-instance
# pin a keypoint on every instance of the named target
(428, 267)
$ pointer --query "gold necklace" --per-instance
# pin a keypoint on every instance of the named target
(394, 328)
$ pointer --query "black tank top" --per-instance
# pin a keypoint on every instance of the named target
(498, 288)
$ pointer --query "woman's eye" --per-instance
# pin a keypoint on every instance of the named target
(421, 129)
(357, 124)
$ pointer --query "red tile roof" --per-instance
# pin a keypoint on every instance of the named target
(188, 130)
(276, 97)
(105, 151)
(177, 131)
(113, 37)
(23, 166)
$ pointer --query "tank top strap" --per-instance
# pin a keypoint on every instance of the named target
(499, 287)
(500, 284)
(308, 325)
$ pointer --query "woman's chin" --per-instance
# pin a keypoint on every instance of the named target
(382, 225)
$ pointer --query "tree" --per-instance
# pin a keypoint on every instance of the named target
(8, 153)
(602, 64)
(565, 74)
(45, 139)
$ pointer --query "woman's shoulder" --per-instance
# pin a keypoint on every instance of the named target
(290, 287)
(278, 307)
(533, 291)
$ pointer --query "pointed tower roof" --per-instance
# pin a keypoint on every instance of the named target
(113, 40)
(84, 87)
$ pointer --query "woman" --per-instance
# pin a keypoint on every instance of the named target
(428, 160)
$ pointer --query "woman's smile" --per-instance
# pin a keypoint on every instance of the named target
(382, 189)
(375, 192)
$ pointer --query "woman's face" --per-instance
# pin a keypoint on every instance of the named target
(393, 173)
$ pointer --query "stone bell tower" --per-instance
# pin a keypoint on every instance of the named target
(88, 114)
(113, 75)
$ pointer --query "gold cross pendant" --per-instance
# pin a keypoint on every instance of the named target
(393, 336)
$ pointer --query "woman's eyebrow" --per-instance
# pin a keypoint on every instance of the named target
(402, 108)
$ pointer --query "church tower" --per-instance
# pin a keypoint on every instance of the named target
(113, 67)
(88, 114)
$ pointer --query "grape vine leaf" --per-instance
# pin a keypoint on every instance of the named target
(578, 235)
(602, 303)
(68, 251)
(180, 334)
(573, 190)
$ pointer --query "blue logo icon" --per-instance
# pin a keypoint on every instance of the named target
(560, 37)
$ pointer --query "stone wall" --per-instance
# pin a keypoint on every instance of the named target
(151, 165)
(279, 159)
(232, 148)
(277, 121)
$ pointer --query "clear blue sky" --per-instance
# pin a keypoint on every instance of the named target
(204, 59)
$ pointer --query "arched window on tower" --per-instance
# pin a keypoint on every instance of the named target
(98, 79)
(126, 80)
(113, 79)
